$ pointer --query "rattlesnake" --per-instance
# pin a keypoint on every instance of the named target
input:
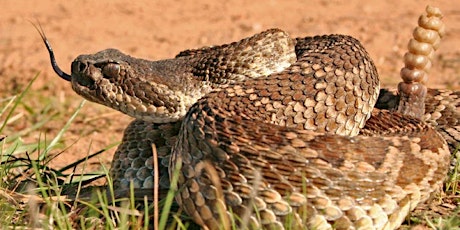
(274, 132)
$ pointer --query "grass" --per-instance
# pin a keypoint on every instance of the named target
(35, 195)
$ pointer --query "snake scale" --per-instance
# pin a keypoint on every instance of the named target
(273, 132)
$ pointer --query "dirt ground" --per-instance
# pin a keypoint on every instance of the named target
(160, 29)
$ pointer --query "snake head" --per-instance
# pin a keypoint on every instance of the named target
(157, 92)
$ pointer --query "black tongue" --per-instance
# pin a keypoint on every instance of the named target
(54, 64)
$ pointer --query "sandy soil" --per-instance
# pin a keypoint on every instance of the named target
(160, 29)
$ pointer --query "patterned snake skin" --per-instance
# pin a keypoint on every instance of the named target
(272, 132)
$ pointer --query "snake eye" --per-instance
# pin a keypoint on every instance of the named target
(111, 70)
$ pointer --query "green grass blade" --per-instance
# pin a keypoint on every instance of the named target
(19, 98)
(61, 132)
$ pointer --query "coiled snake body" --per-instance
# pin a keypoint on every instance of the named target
(271, 132)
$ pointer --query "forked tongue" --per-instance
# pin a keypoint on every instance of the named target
(54, 64)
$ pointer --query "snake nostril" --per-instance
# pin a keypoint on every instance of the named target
(78, 66)
(82, 66)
